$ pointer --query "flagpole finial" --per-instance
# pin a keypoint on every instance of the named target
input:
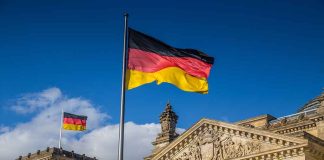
(126, 14)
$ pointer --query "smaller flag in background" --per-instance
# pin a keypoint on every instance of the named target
(74, 122)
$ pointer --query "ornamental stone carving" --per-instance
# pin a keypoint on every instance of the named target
(214, 145)
(168, 121)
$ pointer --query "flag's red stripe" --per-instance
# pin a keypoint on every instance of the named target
(150, 62)
(74, 121)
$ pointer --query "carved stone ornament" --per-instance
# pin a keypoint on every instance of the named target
(214, 145)
(284, 121)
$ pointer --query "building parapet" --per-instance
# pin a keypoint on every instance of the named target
(55, 152)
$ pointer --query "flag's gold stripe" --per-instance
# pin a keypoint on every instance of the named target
(173, 75)
(74, 127)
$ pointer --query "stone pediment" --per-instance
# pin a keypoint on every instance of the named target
(215, 140)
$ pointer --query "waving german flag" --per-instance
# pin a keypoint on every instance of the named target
(151, 60)
(74, 122)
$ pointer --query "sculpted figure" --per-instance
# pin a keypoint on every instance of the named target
(230, 148)
(251, 147)
(239, 150)
(284, 121)
(165, 126)
(217, 149)
(195, 152)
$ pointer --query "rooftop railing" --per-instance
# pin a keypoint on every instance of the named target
(311, 110)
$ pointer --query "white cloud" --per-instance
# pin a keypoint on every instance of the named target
(43, 129)
(4, 129)
(32, 102)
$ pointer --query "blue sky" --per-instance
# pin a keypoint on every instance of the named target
(269, 55)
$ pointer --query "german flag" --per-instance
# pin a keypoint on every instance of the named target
(151, 60)
(74, 122)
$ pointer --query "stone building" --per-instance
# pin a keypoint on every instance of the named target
(55, 154)
(299, 136)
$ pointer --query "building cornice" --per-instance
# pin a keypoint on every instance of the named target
(204, 124)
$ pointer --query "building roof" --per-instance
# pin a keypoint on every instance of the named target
(54, 153)
(312, 104)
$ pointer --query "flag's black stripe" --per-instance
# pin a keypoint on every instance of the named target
(69, 115)
(144, 42)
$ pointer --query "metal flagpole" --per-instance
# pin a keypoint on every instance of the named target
(122, 101)
(61, 128)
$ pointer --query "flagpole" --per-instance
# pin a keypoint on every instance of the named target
(61, 128)
(122, 101)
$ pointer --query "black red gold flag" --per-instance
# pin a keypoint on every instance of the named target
(74, 122)
(151, 60)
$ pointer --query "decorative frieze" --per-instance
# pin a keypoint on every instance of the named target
(217, 145)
